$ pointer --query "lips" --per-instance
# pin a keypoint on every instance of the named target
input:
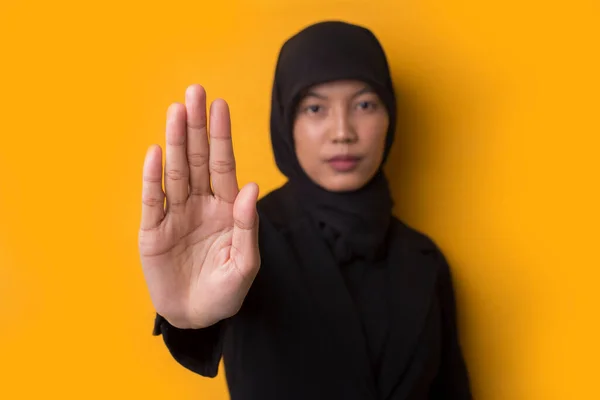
(344, 158)
(343, 163)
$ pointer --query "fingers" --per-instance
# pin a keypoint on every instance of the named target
(152, 194)
(176, 165)
(221, 159)
(245, 253)
(197, 140)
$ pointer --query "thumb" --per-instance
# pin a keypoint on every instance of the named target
(245, 253)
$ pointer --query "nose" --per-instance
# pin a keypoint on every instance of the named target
(342, 130)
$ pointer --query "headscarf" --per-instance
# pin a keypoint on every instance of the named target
(353, 223)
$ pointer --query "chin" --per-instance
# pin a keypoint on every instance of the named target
(343, 184)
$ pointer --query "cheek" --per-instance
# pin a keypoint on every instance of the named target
(375, 138)
(307, 144)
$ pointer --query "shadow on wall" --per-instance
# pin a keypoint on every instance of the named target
(439, 171)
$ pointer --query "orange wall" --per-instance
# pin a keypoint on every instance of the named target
(498, 161)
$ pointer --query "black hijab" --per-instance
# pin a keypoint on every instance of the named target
(353, 223)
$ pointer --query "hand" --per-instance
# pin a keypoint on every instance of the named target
(199, 251)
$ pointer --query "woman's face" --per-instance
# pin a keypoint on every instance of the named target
(340, 133)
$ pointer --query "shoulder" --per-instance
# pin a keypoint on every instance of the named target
(278, 208)
(413, 237)
(416, 240)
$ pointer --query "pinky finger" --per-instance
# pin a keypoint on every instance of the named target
(153, 196)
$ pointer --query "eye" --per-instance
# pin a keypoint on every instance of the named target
(313, 109)
(367, 105)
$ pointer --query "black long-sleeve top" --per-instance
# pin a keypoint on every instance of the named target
(310, 329)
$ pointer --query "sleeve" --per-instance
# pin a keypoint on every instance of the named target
(452, 381)
(198, 350)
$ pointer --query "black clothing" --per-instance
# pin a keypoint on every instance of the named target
(299, 334)
(356, 222)
(349, 303)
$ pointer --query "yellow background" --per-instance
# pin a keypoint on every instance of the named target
(497, 160)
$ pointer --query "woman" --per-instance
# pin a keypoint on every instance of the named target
(332, 297)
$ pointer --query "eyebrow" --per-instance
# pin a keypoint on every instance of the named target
(364, 90)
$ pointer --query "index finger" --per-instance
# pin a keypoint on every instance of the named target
(221, 158)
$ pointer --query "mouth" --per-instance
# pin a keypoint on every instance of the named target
(344, 163)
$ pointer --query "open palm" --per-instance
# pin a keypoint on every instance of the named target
(199, 249)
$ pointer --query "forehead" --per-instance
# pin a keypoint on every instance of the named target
(341, 87)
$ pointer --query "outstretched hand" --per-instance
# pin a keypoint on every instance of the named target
(199, 249)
